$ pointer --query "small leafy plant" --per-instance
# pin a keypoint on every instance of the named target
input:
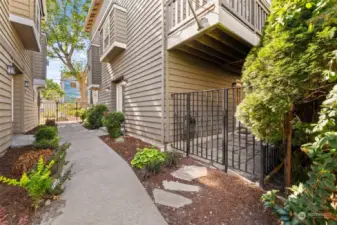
(150, 159)
(37, 182)
(46, 133)
(172, 159)
(113, 122)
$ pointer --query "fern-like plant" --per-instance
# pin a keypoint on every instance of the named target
(37, 182)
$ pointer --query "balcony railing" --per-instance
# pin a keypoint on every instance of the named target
(180, 13)
(253, 13)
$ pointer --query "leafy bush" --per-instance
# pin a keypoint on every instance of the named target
(312, 202)
(113, 122)
(45, 133)
(149, 158)
(94, 116)
(47, 144)
(50, 122)
(83, 114)
(37, 182)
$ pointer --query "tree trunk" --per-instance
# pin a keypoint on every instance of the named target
(287, 143)
(83, 89)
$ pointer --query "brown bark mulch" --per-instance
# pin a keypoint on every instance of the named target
(14, 200)
(222, 200)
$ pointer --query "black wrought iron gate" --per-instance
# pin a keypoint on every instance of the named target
(57, 111)
(204, 124)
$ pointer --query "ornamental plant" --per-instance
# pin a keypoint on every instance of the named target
(45, 133)
(315, 201)
(37, 182)
(113, 122)
(95, 116)
(290, 66)
(149, 159)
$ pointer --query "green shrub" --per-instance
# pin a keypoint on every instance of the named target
(37, 182)
(45, 133)
(312, 202)
(83, 114)
(95, 116)
(113, 122)
(47, 144)
(149, 159)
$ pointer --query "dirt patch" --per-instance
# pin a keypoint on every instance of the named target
(14, 200)
(222, 200)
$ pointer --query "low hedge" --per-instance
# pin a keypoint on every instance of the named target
(113, 122)
(46, 133)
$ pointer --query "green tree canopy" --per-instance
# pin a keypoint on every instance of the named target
(293, 64)
(53, 91)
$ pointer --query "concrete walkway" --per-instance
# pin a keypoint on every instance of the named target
(103, 190)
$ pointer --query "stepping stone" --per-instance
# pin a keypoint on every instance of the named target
(176, 186)
(190, 173)
(170, 199)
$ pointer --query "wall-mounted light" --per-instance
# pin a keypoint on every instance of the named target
(26, 83)
(11, 69)
(107, 89)
(124, 82)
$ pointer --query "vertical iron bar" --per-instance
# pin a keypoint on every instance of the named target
(217, 127)
(180, 112)
(202, 123)
(174, 121)
(253, 154)
(262, 165)
(188, 123)
(192, 117)
(233, 126)
(238, 99)
(212, 128)
(197, 124)
(225, 129)
(76, 111)
(206, 124)
(57, 110)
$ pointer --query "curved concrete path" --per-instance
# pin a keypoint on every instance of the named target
(103, 190)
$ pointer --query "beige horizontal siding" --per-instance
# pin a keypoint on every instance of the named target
(187, 73)
(141, 65)
(11, 48)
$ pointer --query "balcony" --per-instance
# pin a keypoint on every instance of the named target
(26, 21)
(112, 33)
(225, 32)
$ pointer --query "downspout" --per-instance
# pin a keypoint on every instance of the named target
(164, 117)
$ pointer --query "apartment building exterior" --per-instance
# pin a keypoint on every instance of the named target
(23, 66)
(143, 51)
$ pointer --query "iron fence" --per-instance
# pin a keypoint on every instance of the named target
(57, 111)
(204, 124)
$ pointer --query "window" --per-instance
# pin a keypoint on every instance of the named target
(73, 84)
(119, 97)
(106, 33)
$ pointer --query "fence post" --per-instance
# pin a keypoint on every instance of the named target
(188, 143)
(225, 129)
(57, 110)
(262, 164)
(76, 113)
